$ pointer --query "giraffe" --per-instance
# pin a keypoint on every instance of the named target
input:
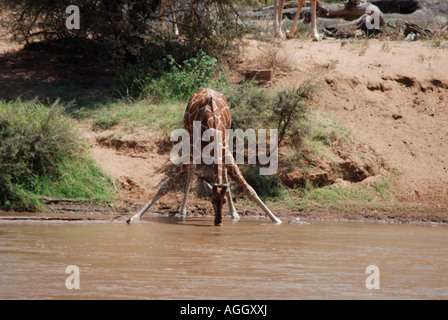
(278, 17)
(211, 109)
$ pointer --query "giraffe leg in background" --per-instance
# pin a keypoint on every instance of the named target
(314, 33)
(296, 19)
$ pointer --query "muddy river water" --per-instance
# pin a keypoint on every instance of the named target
(161, 258)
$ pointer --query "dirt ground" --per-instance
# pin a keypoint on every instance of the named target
(392, 95)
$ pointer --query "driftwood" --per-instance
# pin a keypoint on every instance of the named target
(347, 11)
(329, 16)
(386, 6)
(413, 28)
(347, 29)
(349, 19)
(414, 32)
(350, 10)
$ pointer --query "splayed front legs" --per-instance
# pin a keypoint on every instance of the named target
(232, 169)
(162, 191)
(183, 210)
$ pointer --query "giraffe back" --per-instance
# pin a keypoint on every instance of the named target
(211, 108)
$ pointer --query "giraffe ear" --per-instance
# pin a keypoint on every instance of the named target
(207, 186)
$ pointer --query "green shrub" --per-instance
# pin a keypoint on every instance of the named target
(250, 105)
(178, 83)
(39, 149)
(266, 186)
(290, 108)
(75, 178)
(133, 83)
(181, 81)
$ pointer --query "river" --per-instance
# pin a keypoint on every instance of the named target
(162, 258)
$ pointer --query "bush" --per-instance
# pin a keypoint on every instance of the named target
(178, 83)
(133, 83)
(250, 105)
(181, 81)
(39, 148)
(290, 108)
(266, 186)
(125, 31)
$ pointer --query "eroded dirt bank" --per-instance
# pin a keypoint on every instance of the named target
(393, 95)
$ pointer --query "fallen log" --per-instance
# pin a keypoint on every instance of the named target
(348, 11)
(344, 20)
(347, 29)
(413, 28)
(356, 16)
(351, 10)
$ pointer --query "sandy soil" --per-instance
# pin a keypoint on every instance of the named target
(391, 95)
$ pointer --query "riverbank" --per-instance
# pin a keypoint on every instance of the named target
(389, 95)
(416, 214)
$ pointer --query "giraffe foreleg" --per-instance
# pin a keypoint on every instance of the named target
(183, 210)
(248, 190)
(314, 32)
(161, 192)
(233, 213)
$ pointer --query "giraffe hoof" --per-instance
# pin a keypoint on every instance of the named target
(317, 38)
(218, 223)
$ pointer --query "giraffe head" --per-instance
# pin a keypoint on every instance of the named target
(218, 200)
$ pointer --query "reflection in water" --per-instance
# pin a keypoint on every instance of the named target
(250, 259)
